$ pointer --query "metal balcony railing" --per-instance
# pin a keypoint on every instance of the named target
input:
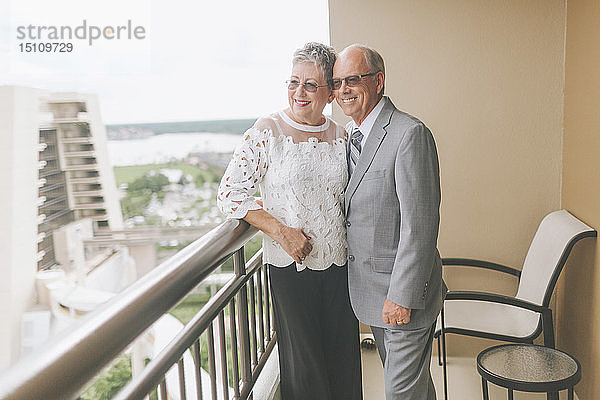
(61, 370)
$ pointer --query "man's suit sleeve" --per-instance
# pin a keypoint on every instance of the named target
(418, 190)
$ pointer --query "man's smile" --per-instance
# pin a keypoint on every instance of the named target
(349, 100)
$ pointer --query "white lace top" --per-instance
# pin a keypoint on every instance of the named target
(301, 172)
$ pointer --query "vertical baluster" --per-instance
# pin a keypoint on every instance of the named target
(267, 304)
(163, 389)
(152, 395)
(181, 371)
(221, 332)
(234, 352)
(198, 368)
(261, 324)
(253, 321)
(239, 266)
(211, 361)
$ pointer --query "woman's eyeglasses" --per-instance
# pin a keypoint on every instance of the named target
(352, 80)
(293, 84)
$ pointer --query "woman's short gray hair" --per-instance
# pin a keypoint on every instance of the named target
(321, 55)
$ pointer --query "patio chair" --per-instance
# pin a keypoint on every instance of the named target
(525, 316)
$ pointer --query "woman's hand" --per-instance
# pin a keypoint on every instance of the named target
(295, 242)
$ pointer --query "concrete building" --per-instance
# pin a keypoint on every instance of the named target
(20, 119)
(59, 190)
(82, 155)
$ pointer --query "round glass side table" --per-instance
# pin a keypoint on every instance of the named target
(528, 368)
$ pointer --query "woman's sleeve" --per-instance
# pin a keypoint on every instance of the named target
(243, 174)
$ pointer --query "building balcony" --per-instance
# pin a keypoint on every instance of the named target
(65, 105)
(76, 161)
(45, 188)
(45, 204)
(81, 167)
(75, 147)
(40, 237)
(88, 180)
(48, 222)
(78, 139)
(98, 217)
(88, 193)
(40, 255)
(48, 136)
(89, 153)
(48, 166)
(41, 219)
(48, 156)
(41, 200)
(89, 206)
(76, 129)
(62, 118)
(45, 173)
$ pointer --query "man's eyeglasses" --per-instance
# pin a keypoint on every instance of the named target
(293, 84)
(352, 80)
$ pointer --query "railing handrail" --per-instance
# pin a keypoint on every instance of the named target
(61, 370)
(188, 335)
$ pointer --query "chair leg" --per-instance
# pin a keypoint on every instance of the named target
(484, 389)
(552, 396)
(548, 328)
(439, 350)
(444, 363)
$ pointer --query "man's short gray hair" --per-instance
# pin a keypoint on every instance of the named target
(321, 55)
(372, 58)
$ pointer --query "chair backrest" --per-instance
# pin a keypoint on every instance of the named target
(557, 234)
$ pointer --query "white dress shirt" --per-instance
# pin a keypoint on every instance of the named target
(367, 125)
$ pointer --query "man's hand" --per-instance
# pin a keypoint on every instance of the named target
(394, 314)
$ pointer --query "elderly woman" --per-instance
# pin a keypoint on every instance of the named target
(297, 158)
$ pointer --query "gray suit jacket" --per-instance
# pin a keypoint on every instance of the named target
(392, 215)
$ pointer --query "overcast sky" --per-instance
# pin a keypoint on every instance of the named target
(199, 59)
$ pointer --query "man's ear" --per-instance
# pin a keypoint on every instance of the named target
(331, 97)
(380, 81)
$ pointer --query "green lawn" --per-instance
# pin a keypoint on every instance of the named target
(110, 381)
(251, 247)
(130, 173)
(189, 306)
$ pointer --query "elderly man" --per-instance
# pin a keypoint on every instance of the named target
(392, 216)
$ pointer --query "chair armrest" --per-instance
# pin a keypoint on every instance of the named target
(468, 262)
(494, 298)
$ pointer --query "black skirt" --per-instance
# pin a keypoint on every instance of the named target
(317, 334)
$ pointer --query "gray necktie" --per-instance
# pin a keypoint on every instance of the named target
(355, 147)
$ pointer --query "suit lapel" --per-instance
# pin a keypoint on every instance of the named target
(373, 142)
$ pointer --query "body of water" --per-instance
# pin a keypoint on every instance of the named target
(168, 147)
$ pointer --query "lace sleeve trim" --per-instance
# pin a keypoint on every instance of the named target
(244, 173)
